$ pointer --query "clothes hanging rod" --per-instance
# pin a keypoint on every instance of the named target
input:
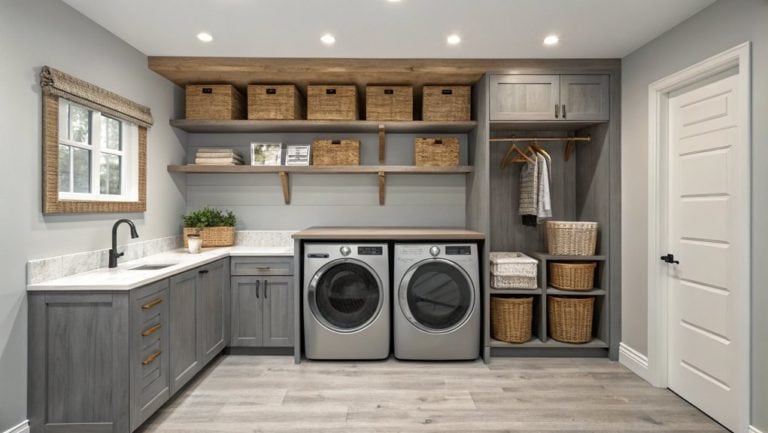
(518, 139)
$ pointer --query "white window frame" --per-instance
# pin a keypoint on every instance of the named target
(129, 153)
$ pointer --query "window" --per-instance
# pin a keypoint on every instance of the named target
(98, 155)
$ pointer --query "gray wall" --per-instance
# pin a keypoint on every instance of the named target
(723, 25)
(317, 200)
(47, 32)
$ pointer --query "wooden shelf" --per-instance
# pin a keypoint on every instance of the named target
(355, 126)
(495, 291)
(542, 125)
(316, 169)
(536, 343)
(558, 292)
(284, 172)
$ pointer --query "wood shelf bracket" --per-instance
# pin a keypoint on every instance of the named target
(382, 144)
(284, 180)
(382, 188)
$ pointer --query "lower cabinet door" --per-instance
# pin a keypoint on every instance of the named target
(185, 350)
(247, 311)
(150, 355)
(278, 312)
(214, 300)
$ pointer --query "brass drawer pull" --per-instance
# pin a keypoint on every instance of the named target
(151, 358)
(150, 331)
(149, 305)
(263, 268)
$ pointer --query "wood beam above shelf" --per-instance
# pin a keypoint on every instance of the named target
(357, 126)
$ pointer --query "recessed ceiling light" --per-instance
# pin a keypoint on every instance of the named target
(204, 37)
(551, 40)
(454, 40)
(328, 39)
(395, 1)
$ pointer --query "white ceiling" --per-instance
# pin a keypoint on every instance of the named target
(383, 29)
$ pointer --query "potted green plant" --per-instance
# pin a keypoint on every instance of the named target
(215, 227)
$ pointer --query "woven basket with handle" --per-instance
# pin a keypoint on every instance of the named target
(212, 236)
(336, 152)
(572, 276)
(511, 319)
(436, 152)
(570, 318)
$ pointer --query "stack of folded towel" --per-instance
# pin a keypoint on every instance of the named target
(218, 157)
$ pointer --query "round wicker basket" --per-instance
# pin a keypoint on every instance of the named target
(572, 276)
(570, 318)
(511, 319)
(571, 238)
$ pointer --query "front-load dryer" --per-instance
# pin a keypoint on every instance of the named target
(436, 301)
(346, 301)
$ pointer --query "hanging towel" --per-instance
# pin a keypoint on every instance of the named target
(544, 201)
(529, 191)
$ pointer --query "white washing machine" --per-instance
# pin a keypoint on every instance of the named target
(437, 302)
(346, 306)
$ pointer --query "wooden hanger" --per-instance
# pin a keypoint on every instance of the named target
(540, 150)
(520, 156)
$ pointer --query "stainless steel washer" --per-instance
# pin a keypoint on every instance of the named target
(437, 301)
(346, 306)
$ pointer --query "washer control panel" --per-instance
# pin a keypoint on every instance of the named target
(370, 251)
(459, 250)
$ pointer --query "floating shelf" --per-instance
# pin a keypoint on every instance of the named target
(284, 172)
(550, 257)
(355, 126)
(558, 292)
(542, 125)
(549, 344)
(495, 291)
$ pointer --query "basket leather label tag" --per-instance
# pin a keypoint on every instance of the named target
(330, 91)
(447, 91)
(389, 91)
(271, 91)
(207, 90)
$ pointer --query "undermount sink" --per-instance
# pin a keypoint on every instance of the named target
(152, 267)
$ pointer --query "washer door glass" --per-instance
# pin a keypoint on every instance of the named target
(347, 296)
(439, 296)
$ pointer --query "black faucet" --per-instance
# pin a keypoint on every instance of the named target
(113, 254)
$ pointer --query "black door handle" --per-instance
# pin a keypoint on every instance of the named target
(670, 258)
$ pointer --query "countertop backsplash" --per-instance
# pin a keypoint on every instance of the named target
(52, 268)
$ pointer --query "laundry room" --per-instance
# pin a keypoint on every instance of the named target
(229, 216)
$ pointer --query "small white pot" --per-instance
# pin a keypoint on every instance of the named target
(194, 244)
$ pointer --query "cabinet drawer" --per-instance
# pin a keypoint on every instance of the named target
(262, 266)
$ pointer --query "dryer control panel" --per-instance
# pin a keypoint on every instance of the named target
(369, 251)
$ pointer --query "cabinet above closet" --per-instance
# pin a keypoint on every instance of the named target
(558, 98)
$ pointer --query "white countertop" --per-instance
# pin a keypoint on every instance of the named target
(124, 278)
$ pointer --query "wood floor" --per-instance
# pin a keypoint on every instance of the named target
(270, 394)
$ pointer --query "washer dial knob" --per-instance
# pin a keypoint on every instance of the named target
(434, 251)
(345, 251)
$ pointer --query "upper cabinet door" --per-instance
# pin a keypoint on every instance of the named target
(525, 97)
(584, 97)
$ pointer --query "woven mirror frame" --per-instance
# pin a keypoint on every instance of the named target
(55, 85)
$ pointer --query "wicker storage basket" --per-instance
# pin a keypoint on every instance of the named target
(572, 276)
(214, 102)
(332, 102)
(513, 263)
(336, 152)
(446, 103)
(511, 319)
(571, 238)
(436, 152)
(388, 103)
(283, 102)
(212, 236)
(513, 282)
(570, 318)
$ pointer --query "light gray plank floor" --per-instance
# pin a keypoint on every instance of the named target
(246, 394)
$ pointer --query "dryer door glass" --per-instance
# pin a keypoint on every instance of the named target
(439, 296)
(347, 297)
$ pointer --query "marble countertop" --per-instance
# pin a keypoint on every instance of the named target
(124, 277)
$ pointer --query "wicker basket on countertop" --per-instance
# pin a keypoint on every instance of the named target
(572, 276)
(572, 238)
(570, 318)
(212, 236)
(436, 152)
(446, 103)
(336, 152)
(214, 102)
(511, 319)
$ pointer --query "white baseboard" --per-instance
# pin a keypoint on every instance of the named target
(23, 427)
(634, 360)
(753, 429)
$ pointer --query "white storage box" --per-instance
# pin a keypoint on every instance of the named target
(513, 264)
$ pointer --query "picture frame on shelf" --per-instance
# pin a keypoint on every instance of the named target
(298, 155)
(267, 154)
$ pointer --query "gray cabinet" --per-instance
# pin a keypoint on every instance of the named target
(213, 292)
(549, 97)
(150, 354)
(79, 362)
(262, 302)
(185, 349)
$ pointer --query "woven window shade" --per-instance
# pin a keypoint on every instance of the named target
(57, 83)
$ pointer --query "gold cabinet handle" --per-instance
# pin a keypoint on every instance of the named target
(150, 331)
(149, 305)
(151, 358)
(263, 268)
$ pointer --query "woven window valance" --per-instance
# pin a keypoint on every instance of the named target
(57, 83)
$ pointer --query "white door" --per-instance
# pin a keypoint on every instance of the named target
(708, 207)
